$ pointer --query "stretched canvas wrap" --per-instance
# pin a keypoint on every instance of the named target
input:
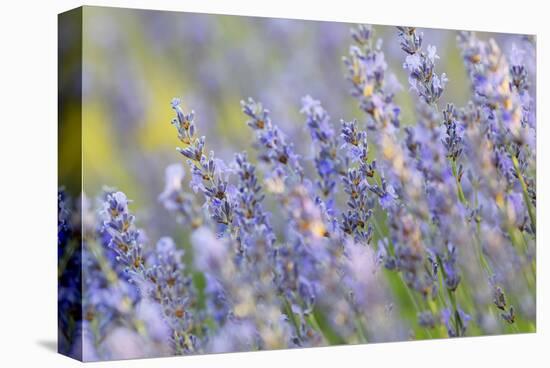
(233, 183)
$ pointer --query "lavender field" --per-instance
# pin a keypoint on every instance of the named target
(255, 184)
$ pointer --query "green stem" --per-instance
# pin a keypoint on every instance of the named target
(408, 291)
(361, 329)
(313, 322)
(292, 316)
(70, 248)
(526, 199)
(460, 192)
(479, 248)
(457, 320)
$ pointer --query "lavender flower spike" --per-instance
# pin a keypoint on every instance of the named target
(271, 141)
(421, 66)
(158, 276)
(174, 291)
(210, 175)
(327, 162)
(119, 223)
(366, 70)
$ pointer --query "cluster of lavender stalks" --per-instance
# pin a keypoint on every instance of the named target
(386, 232)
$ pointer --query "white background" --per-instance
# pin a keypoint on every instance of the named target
(28, 181)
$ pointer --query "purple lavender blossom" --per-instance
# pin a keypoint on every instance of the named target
(249, 213)
(174, 292)
(366, 70)
(210, 175)
(271, 141)
(69, 253)
(159, 276)
(456, 322)
(327, 162)
(421, 66)
(125, 238)
(453, 140)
